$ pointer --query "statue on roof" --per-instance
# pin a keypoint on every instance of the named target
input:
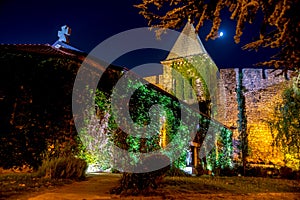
(64, 34)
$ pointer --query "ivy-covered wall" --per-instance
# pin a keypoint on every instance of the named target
(145, 136)
(35, 107)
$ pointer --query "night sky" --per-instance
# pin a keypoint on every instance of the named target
(37, 22)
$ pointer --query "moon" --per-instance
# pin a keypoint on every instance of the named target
(221, 34)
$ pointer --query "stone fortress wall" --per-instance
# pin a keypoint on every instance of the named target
(263, 90)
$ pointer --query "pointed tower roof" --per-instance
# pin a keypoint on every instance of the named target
(187, 44)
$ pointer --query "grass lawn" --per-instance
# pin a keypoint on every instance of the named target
(17, 183)
(171, 188)
(231, 185)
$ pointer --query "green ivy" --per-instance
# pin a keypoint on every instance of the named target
(242, 120)
(145, 96)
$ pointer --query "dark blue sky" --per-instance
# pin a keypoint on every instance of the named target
(37, 22)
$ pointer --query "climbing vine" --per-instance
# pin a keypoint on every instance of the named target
(220, 156)
(242, 120)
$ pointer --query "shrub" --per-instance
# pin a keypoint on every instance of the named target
(114, 171)
(63, 167)
(296, 175)
(254, 171)
(174, 171)
(262, 171)
(286, 172)
(227, 171)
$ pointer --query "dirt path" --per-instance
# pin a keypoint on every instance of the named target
(97, 187)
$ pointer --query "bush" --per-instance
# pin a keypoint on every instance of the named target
(114, 171)
(227, 171)
(262, 171)
(296, 175)
(63, 167)
(255, 171)
(286, 172)
(174, 171)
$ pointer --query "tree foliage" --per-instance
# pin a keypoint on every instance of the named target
(279, 22)
(286, 125)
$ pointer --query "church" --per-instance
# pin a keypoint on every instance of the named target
(214, 91)
(262, 90)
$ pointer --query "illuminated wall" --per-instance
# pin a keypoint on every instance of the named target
(263, 91)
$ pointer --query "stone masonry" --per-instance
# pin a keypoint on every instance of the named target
(262, 91)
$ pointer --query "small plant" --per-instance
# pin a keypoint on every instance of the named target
(63, 167)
